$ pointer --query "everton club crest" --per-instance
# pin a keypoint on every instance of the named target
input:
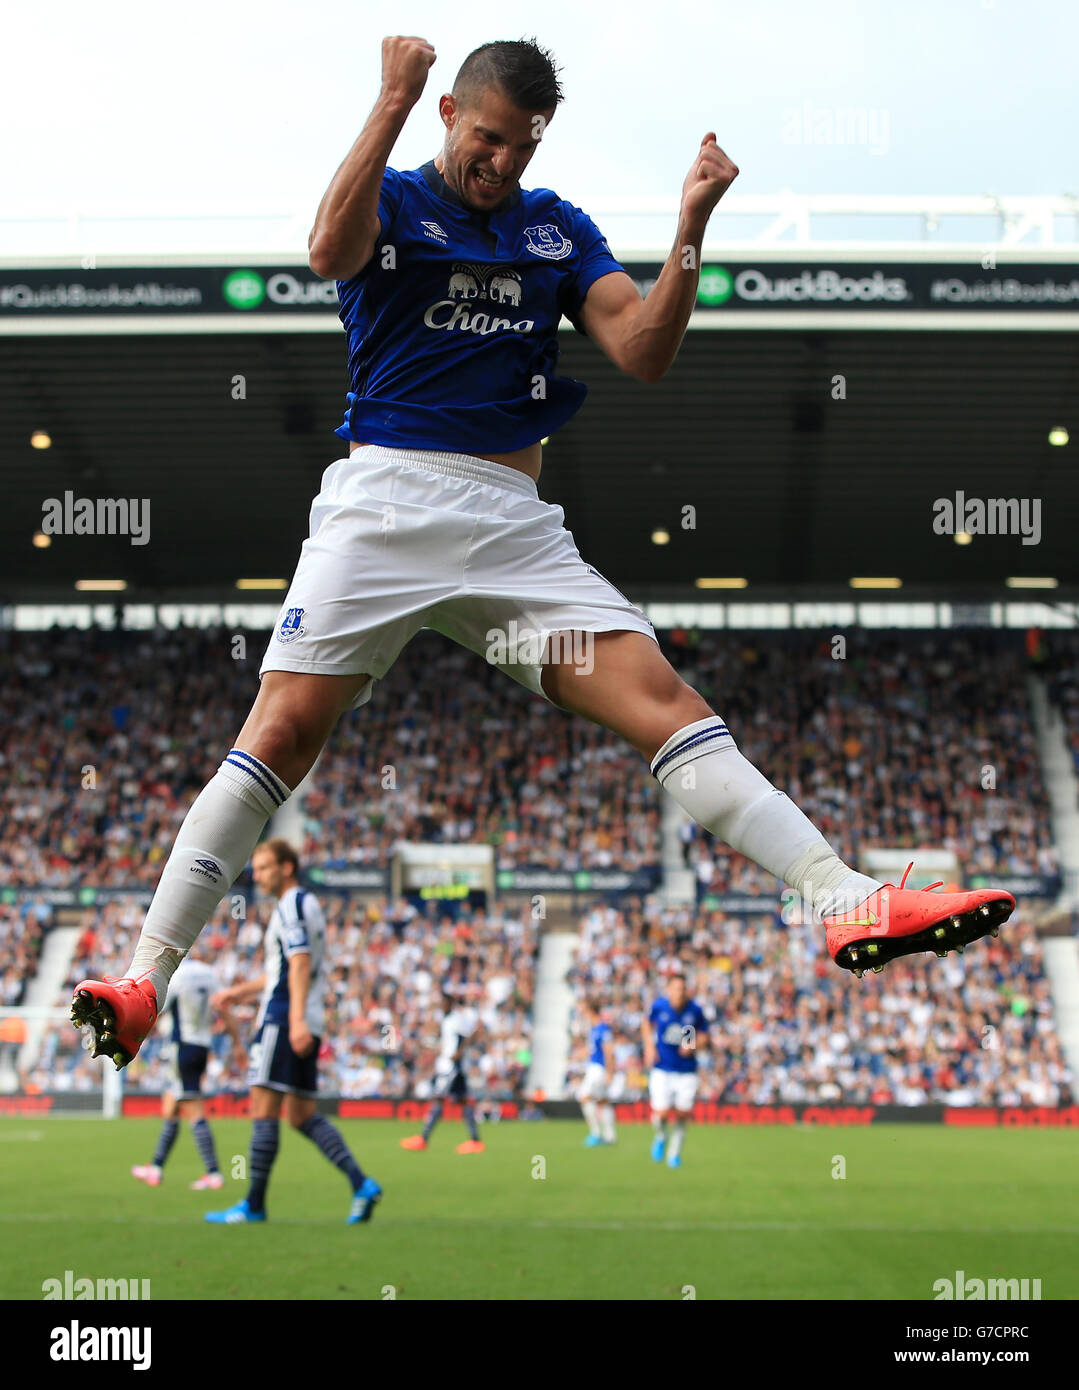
(291, 626)
(547, 241)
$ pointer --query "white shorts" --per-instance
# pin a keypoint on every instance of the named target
(402, 539)
(672, 1090)
(593, 1083)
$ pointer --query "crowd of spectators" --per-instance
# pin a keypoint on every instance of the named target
(883, 739)
(107, 737)
(787, 1026)
(451, 749)
(902, 739)
(22, 928)
(387, 965)
(105, 740)
(1061, 667)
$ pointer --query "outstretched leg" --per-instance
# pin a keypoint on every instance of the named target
(628, 686)
(277, 746)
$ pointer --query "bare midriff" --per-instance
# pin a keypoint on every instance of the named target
(529, 460)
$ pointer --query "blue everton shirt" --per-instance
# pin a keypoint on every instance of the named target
(452, 323)
(669, 1027)
(597, 1037)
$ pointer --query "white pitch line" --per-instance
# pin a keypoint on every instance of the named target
(14, 1218)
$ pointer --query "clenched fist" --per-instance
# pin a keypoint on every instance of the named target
(711, 174)
(406, 62)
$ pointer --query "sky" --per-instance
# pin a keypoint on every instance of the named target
(126, 109)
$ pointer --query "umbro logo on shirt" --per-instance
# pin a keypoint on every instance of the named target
(434, 231)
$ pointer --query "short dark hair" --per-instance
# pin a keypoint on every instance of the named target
(283, 852)
(523, 70)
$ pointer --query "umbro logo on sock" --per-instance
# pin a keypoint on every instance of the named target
(206, 868)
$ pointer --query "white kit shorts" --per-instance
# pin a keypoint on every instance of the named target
(403, 539)
(594, 1083)
(672, 1090)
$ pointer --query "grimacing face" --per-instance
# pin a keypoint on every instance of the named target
(488, 146)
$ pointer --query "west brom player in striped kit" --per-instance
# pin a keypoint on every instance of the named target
(284, 1050)
(460, 1026)
(190, 1015)
(453, 281)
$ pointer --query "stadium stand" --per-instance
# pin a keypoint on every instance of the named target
(887, 746)
(477, 758)
(107, 737)
(387, 964)
(1062, 683)
(886, 749)
(22, 927)
(786, 1026)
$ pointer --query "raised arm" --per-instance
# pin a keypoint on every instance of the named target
(642, 336)
(346, 228)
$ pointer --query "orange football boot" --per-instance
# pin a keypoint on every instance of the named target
(121, 1013)
(471, 1146)
(902, 921)
(414, 1141)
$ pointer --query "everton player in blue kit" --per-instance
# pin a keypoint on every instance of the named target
(452, 281)
(673, 1033)
(595, 1091)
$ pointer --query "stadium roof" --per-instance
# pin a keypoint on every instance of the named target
(799, 483)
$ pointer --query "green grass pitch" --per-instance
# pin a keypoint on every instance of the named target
(754, 1213)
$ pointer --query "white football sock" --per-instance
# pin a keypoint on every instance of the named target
(659, 1124)
(678, 1133)
(212, 846)
(588, 1109)
(606, 1123)
(703, 770)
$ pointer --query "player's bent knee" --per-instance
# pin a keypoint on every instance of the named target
(298, 1109)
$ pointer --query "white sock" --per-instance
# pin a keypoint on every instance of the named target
(589, 1110)
(212, 846)
(678, 1133)
(606, 1123)
(703, 770)
(659, 1124)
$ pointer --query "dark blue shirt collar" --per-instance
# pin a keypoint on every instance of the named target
(441, 189)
